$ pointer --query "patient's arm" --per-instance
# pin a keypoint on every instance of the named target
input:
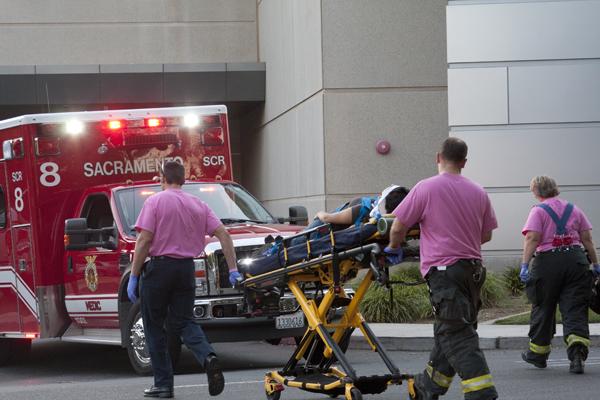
(343, 217)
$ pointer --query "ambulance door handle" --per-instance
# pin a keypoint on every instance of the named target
(22, 265)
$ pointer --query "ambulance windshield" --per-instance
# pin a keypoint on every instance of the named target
(230, 202)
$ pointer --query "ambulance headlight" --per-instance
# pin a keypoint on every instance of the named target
(74, 127)
(246, 261)
(191, 121)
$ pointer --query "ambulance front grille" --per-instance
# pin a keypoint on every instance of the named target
(241, 253)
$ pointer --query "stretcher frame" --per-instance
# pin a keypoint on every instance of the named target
(329, 271)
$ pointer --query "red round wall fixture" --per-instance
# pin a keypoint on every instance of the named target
(383, 146)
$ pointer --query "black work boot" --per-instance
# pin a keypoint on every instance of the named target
(164, 392)
(537, 360)
(216, 381)
(577, 363)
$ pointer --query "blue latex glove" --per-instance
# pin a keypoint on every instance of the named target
(394, 256)
(524, 274)
(596, 270)
(132, 288)
(234, 278)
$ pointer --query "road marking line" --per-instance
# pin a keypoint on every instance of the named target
(226, 383)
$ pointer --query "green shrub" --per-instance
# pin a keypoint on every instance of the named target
(512, 281)
(408, 304)
(492, 291)
(411, 303)
(409, 273)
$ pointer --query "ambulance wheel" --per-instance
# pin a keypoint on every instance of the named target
(137, 350)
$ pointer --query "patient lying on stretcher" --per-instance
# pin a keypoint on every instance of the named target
(359, 210)
(273, 256)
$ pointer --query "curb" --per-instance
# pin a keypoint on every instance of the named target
(426, 343)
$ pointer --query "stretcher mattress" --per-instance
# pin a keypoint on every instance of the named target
(272, 256)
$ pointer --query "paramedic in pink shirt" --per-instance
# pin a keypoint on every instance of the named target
(455, 217)
(557, 236)
(172, 227)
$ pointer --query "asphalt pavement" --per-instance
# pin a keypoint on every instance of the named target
(69, 371)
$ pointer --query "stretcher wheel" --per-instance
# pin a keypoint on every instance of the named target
(412, 390)
(273, 396)
(272, 388)
(355, 394)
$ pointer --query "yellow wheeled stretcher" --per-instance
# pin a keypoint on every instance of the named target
(319, 364)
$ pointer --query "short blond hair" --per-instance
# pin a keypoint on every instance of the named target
(544, 187)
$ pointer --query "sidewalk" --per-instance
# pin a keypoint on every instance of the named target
(419, 337)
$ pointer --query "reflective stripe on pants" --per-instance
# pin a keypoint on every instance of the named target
(439, 378)
(537, 349)
(477, 383)
(574, 339)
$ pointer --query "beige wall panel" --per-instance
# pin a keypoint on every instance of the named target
(477, 96)
(511, 157)
(94, 11)
(290, 45)
(128, 43)
(285, 158)
(414, 122)
(384, 43)
(555, 93)
(536, 30)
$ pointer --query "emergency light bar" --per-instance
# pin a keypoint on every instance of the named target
(125, 131)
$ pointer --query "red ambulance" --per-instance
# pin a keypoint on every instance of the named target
(71, 188)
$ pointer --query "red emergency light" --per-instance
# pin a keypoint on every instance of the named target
(153, 122)
(114, 124)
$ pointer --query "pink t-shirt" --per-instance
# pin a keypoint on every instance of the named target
(179, 222)
(540, 221)
(453, 212)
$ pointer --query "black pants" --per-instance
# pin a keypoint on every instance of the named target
(455, 297)
(559, 277)
(168, 288)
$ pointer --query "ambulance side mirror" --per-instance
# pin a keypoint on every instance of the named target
(79, 237)
(76, 234)
(298, 215)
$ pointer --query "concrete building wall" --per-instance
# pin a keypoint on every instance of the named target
(414, 122)
(523, 91)
(75, 32)
(284, 160)
(376, 68)
(384, 78)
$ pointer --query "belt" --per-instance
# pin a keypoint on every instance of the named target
(170, 258)
(472, 261)
(560, 249)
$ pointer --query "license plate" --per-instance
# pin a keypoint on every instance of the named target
(295, 320)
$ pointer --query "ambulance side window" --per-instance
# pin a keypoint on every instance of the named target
(98, 213)
(2, 209)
